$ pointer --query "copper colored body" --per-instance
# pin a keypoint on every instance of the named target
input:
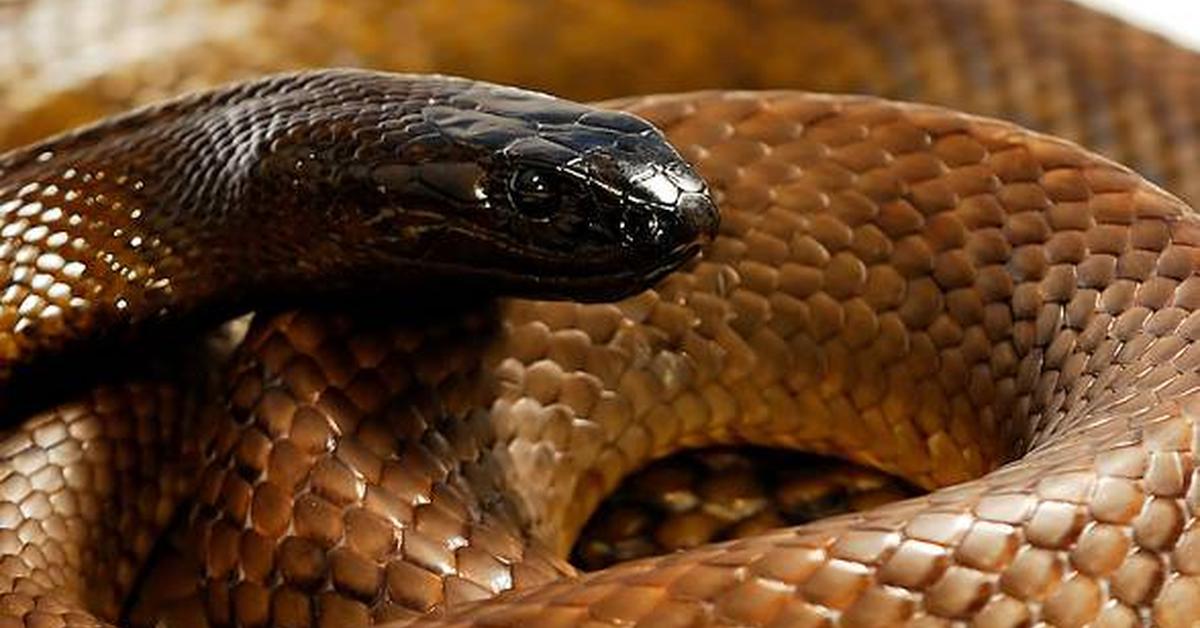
(977, 308)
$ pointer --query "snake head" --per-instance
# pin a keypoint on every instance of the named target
(460, 180)
(548, 198)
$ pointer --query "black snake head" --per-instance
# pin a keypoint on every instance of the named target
(448, 179)
(544, 197)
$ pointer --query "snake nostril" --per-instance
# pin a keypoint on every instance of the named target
(700, 214)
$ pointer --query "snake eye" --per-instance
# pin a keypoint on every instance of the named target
(534, 193)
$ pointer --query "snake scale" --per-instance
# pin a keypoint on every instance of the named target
(984, 310)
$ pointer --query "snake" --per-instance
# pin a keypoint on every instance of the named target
(996, 314)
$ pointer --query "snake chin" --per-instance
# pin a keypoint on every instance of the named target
(562, 283)
(601, 288)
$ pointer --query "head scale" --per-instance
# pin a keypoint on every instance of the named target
(543, 196)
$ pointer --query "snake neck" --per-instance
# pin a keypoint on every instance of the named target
(140, 218)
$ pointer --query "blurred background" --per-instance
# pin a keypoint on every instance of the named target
(1176, 19)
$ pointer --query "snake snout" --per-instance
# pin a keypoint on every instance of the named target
(661, 231)
(700, 216)
(669, 208)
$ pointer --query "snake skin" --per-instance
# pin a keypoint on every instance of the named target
(922, 291)
(975, 297)
(413, 177)
(368, 180)
(929, 293)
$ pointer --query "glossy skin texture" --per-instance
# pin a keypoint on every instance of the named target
(911, 288)
(368, 180)
(907, 287)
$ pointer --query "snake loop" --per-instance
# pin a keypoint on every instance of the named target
(1002, 317)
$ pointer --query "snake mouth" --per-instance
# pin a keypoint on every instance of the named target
(502, 264)
(618, 285)
(584, 283)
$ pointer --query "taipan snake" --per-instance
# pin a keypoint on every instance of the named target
(989, 312)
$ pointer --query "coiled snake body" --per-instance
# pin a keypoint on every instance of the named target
(925, 291)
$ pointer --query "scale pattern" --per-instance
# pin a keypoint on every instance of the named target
(929, 293)
(369, 178)
(926, 292)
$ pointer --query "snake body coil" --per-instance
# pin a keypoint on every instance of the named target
(950, 298)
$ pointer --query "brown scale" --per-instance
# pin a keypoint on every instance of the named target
(927, 293)
(351, 482)
(996, 290)
(147, 219)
